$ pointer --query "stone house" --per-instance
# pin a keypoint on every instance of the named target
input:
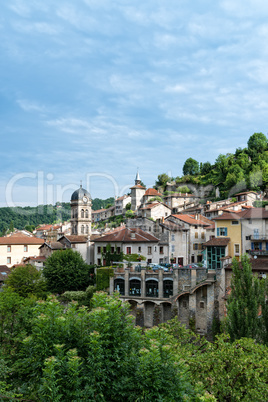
(120, 204)
(130, 241)
(16, 248)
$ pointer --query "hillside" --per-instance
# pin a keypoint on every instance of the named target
(246, 169)
(29, 217)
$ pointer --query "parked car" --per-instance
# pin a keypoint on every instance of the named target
(191, 266)
(157, 267)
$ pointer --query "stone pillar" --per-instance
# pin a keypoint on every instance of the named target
(175, 281)
(127, 281)
(143, 288)
(160, 283)
(193, 277)
(210, 308)
(111, 285)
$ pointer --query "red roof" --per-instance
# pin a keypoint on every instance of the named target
(76, 238)
(127, 235)
(152, 192)
(217, 241)
(21, 239)
(191, 220)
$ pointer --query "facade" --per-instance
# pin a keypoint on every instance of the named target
(103, 214)
(81, 212)
(192, 294)
(130, 241)
(155, 210)
(16, 248)
(120, 204)
(198, 235)
(78, 243)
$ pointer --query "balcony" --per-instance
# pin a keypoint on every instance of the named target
(258, 252)
(258, 238)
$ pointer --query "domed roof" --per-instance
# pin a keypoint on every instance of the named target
(79, 194)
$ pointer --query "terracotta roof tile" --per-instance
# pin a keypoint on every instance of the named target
(190, 219)
(127, 235)
(76, 239)
(22, 239)
(152, 192)
(217, 241)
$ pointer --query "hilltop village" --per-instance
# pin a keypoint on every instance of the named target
(183, 249)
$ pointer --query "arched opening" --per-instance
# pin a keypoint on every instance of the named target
(119, 286)
(149, 314)
(86, 213)
(82, 213)
(135, 287)
(86, 229)
(151, 288)
(82, 229)
(167, 313)
(167, 288)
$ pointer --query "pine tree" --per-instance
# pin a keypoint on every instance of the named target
(243, 305)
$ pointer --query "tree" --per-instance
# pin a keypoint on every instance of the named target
(205, 168)
(26, 280)
(243, 302)
(66, 270)
(162, 180)
(190, 167)
(128, 206)
(257, 143)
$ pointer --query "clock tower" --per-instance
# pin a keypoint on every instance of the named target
(81, 212)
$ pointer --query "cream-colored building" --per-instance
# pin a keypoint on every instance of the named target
(16, 248)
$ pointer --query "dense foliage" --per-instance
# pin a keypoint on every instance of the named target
(66, 270)
(30, 217)
(68, 354)
(26, 280)
(231, 173)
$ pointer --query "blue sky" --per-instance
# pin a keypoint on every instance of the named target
(92, 89)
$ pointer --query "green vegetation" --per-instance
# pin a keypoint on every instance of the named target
(30, 217)
(26, 280)
(103, 278)
(66, 270)
(246, 169)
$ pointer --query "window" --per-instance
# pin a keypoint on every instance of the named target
(8, 260)
(118, 250)
(196, 235)
(195, 246)
(202, 235)
(184, 304)
(9, 249)
(200, 246)
(202, 304)
(236, 248)
(82, 229)
(161, 250)
(112, 250)
(235, 222)
(25, 248)
(221, 231)
(172, 248)
(128, 250)
(172, 237)
(139, 249)
(86, 213)
(256, 234)
(247, 237)
(82, 213)
(149, 250)
(99, 249)
(86, 229)
(155, 248)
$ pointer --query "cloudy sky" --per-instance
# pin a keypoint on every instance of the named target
(92, 89)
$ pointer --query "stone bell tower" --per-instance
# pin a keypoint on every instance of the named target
(81, 212)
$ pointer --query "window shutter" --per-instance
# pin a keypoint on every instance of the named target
(218, 231)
